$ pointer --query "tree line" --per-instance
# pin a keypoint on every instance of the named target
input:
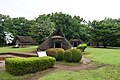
(105, 32)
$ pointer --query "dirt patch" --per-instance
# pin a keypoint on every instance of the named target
(9, 54)
(2, 65)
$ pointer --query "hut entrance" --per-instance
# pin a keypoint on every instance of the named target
(75, 44)
(57, 45)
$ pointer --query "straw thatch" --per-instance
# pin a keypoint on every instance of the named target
(23, 40)
(55, 40)
(75, 42)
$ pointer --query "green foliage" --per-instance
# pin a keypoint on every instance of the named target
(73, 55)
(52, 52)
(2, 29)
(82, 47)
(60, 52)
(76, 55)
(68, 55)
(106, 31)
(70, 25)
(56, 53)
(42, 27)
(19, 26)
(21, 66)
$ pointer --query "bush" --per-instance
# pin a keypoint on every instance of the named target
(56, 53)
(60, 52)
(82, 47)
(20, 66)
(68, 55)
(76, 55)
(73, 55)
(52, 52)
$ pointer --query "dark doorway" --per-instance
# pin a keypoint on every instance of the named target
(58, 45)
(75, 44)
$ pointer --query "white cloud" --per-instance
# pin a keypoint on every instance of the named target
(88, 9)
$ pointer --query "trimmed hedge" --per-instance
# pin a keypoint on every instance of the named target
(73, 55)
(21, 66)
(57, 53)
(52, 52)
(68, 55)
(60, 52)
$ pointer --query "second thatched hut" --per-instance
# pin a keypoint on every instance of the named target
(55, 40)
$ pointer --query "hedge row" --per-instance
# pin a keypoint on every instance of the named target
(70, 55)
(20, 66)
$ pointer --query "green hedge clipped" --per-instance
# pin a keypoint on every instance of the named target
(20, 66)
(68, 55)
(52, 52)
(57, 53)
(60, 52)
(73, 55)
(82, 47)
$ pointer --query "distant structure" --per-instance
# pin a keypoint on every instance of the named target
(55, 40)
(75, 42)
(22, 41)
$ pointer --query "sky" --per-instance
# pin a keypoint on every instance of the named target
(87, 9)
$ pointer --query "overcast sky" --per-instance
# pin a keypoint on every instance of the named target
(88, 9)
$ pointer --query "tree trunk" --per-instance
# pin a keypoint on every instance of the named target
(97, 44)
(104, 45)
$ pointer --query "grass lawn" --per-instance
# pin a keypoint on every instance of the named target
(10, 49)
(99, 56)
(104, 56)
(106, 73)
(6, 76)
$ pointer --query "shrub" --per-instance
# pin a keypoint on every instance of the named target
(52, 52)
(20, 66)
(82, 47)
(60, 52)
(73, 55)
(76, 55)
(56, 53)
(68, 55)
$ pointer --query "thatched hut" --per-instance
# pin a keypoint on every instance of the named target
(75, 42)
(55, 40)
(23, 41)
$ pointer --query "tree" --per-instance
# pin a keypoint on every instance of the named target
(19, 26)
(42, 27)
(3, 19)
(105, 31)
(72, 27)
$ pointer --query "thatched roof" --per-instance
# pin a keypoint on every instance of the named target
(75, 42)
(24, 40)
(56, 36)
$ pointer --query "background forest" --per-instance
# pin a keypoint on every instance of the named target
(105, 32)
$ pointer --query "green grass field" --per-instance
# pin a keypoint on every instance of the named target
(10, 49)
(6, 76)
(99, 57)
